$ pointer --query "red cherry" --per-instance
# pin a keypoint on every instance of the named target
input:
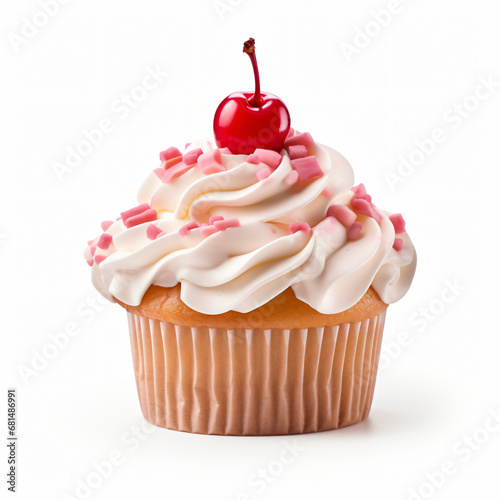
(245, 121)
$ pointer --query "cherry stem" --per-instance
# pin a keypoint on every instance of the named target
(249, 48)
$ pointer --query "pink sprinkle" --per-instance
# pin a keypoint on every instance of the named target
(304, 139)
(208, 231)
(147, 216)
(191, 157)
(152, 232)
(222, 225)
(364, 207)
(184, 230)
(225, 151)
(307, 167)
(105, 224)
(269, 157)
(353, 233)
(209, 156)
(91, 242)
(105, 241)
(134, 211)
(93, 248)
(291, 133)
(160, 172)
(361, 206)
(300, 226)
(90, 262)
(326, 193)
(187, 145)
(253, 158)
(292, 178)
(99, 258)
(214, 219)
(398, 244)
(297, 151)
(398, 222)
(174, 172)
(172, 162)
(264, 173)
(169, 153)
(214, 169)
(343, 214)
(366, 197)
(211, 162)
(359, 190)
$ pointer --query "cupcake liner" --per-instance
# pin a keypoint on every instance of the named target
(255, 382)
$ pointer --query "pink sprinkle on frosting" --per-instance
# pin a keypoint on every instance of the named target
(175, 171)
(211, 162)
(185, 230)
(225, 151)
(106, 224)
(353, 233)
(398, 222)
(105, 241)
(326, 193)
(343, 214)
(269, 157)
(152, 232)
(214, 219)
(253, 158)
(300, 226)
(213, 169)
(263, 173)
(364, 207)
(303, 139)
(222, 225)
(362, 204)
(191, 157)
(307, 167)
(208, 231)
(292, 178)
(170, 153)
(99, 258)
(90, 262)
(160, 172)
(297, 151)
(147, 216)
(134, 211)
(93, 249)
(398, 244)
(359, 190)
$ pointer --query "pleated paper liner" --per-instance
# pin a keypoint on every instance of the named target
(255, 382)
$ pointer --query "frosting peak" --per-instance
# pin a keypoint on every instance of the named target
(237, 230)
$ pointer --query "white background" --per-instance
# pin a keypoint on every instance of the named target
(433, 392)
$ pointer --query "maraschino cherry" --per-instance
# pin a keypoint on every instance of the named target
(245, 121)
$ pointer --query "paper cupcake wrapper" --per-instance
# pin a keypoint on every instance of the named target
(255, 382)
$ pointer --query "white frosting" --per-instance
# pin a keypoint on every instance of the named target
(244, 267)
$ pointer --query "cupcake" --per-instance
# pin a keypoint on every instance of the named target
(256, 279)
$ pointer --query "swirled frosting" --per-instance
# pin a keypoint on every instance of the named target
(237, 235)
